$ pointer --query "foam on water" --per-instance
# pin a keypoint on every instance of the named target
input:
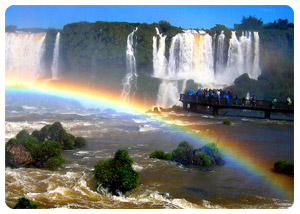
(146, 128)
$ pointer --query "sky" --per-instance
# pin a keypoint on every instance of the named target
(192, 16)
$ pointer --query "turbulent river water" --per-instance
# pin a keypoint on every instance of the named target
(164, 184)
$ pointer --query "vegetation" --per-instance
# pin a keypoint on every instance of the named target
(227, 122)
(42, 148)
(180, 153)
(79, 142)
(159, 154)
(54, 162)
(283, 166)
(206, 156)
(25, 203)
(116, 174)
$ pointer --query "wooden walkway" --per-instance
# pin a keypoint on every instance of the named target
(190, 102)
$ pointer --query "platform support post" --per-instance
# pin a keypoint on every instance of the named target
(184, 106)
(215, 111)
(267, 114)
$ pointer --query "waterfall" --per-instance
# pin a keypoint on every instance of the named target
(131, 75)
(256, 69)
(55, 62)
(235, 58)
(192, 55)
(24, 55)
(168, 94)
(220, 56)
(159, 59)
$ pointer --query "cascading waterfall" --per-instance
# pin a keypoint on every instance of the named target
(256, 69)
(23, 55)
(54, 66)
(220, 57)
(131, 75)
(192, 56)
(159, 59)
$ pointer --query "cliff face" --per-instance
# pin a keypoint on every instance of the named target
(96, 52)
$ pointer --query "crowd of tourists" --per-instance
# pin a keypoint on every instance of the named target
(213, 93)
(229, 95)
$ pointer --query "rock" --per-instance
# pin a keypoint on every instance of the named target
(206, 156)
(21, 156)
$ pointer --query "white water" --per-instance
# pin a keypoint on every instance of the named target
(131, 76)
(23, 55)
(256, 68)
(159, 59)
(220, 60)
(54, 66)
(192, 57)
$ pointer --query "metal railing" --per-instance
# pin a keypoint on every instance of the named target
(264, 104)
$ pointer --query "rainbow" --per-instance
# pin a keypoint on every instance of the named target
(109, 100)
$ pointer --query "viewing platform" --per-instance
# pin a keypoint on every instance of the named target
(191, 102)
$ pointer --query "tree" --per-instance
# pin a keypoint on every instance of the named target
(25, 203)
(116, 173)
(250, 23)
(164, 26)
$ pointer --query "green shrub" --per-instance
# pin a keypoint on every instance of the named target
(205, 158)
(22, 136)
(159, 154)
(54, 162)
(286, 167)
(45, 150)
(167, 156)
(38, 135)
(71, 137)
(212, 149)
(44, 133)
(227, 122)
(31, 143)
(179, 153)
(68, 144)
(186, 145)
(10, 143)
(79, 142)
(25, 203)
(117, 173)
(58, 133)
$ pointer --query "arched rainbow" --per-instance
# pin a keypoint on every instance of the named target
(108, 100)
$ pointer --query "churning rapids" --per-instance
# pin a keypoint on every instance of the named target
(163, 184)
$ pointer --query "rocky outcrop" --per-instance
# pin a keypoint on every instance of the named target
(20, 155)
(208, 155)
